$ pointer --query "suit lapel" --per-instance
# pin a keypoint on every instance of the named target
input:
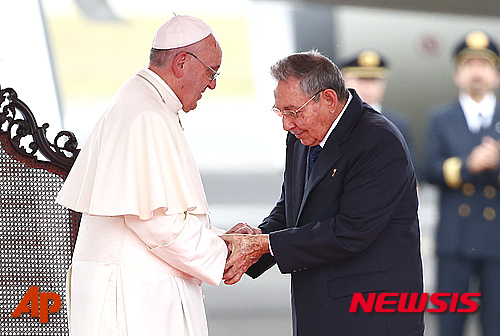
(461, 126)
(331, 153)
(327, 159)
(299, 167)
(495, 123)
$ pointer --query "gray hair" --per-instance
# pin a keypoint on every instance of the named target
(314, 71)
(161, 57)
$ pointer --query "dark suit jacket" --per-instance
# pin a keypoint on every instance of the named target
(352, 228)
(402, 123)
(469, 223)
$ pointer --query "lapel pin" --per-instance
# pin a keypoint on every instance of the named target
(334, 171)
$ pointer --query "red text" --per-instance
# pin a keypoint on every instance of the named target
(414, 302)
(39, 304)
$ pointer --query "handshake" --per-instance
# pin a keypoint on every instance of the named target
(246, 245)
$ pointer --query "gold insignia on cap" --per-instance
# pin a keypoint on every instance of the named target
(369, 58)
(477, 40)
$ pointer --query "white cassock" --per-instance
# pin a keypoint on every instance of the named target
(145, 243)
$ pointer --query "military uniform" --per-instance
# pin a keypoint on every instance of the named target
(369, 64)
(468, 232)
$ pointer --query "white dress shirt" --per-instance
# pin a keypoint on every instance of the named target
(478, 114)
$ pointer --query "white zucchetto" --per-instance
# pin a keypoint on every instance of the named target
(180, 31)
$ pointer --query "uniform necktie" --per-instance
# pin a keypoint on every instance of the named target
(483, 120)
(313, 156)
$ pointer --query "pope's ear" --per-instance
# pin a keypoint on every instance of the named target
(179, 64)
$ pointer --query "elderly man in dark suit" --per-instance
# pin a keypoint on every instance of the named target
(347, 220)
(464, 163)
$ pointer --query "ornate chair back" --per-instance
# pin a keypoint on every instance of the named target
(37, 235)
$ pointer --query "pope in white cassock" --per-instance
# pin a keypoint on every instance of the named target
(145, 242)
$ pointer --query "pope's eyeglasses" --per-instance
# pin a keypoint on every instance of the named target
(210, 76)
(280, 113)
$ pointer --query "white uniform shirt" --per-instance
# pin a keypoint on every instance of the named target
(472, 109)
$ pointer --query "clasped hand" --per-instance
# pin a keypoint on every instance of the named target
(485, 156)
(246, 245)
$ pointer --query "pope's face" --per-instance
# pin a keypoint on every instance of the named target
(312, 122)
(477, 76)
(199, 78)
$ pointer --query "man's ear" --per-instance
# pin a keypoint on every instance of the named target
(179, 64)
(331, 98)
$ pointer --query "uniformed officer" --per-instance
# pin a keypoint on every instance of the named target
(367, 72)
(464, 162)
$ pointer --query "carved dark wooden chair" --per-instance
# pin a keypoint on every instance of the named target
(37, 235)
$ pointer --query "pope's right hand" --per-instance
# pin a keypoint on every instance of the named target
(244, 228)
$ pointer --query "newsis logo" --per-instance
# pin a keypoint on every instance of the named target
(414, 302)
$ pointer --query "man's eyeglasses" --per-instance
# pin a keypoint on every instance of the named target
(280, 113)
(211, 76)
